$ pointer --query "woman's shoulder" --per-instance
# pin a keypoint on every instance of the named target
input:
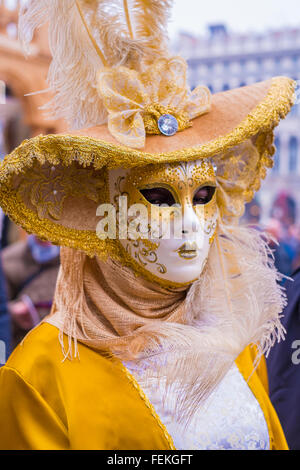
(40, 347)
(39, 359)
(41, 341)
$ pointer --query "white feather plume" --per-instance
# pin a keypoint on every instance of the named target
(131, 33)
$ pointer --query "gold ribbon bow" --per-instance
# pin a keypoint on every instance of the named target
(134, 101)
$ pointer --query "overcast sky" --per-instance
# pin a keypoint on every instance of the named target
(239, 15)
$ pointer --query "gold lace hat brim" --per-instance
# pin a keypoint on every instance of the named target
(52, 185)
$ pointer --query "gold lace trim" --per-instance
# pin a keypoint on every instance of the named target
(47, 189)
(90, 151)
(147, 402)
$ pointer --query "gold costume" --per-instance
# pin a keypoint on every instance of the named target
(131, 110)
(93, 403)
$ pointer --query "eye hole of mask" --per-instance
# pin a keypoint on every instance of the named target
(158, 196)
(204, 195)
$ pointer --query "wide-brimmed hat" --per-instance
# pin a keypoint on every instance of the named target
(136, 110)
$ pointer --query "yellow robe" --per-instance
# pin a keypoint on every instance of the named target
(91, 403)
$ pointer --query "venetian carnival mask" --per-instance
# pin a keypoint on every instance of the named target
(167, 216)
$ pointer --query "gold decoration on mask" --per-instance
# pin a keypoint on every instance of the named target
(150, 244)
(182, 180)
(145, 255)
(120, 254)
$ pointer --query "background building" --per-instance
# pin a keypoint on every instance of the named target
(222, 60)
(20, 115)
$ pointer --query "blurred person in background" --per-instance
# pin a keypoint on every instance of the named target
(295, 232)
(284, 359)
(283, 252)
(30, 267)
(283, 366)
(282, 226)
(284, 209)
(5, 320)
(13, 130)
(252, 214)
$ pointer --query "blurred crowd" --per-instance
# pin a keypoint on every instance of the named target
(28, 273)
(283, 227)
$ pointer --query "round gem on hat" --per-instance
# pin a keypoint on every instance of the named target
(167, 124)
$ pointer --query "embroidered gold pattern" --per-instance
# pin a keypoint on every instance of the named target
(47, 189)
(144, 254)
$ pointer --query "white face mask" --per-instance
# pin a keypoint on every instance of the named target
(178, 239)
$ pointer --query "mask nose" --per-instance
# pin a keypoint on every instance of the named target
(190, 223)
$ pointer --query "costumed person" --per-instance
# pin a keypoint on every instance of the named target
(280, 225)
(158, 328)
(5, 320)
(283, 367)
(30, 269)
